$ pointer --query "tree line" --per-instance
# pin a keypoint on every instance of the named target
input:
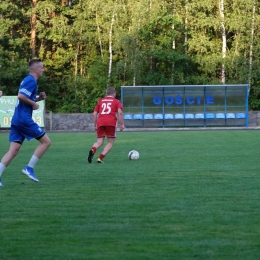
(87, 45)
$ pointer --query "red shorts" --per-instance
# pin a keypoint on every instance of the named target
(109, 131)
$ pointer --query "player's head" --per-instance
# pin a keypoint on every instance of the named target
(36, 67)
(111, 91)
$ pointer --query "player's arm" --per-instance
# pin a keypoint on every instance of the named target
(26, 100)
(95, 114)
(1, 93)
(41, 96)
(121, 119)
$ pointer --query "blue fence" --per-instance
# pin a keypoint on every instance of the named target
(171, 106)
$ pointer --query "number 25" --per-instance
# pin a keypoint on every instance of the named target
(106, 108)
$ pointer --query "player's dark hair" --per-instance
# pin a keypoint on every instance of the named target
(111, 90)
(33, 61)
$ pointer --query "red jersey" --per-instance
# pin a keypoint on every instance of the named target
(107, 108)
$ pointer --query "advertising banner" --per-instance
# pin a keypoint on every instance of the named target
(7, 106)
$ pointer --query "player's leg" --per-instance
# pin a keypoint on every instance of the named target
(98, 143)
(45, 143)
(9, 156)
(95, 146)
(107, 148)
(101, 133)
(16, 140)
(111, 136)
(37, 133)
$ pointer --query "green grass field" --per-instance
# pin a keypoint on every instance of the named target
(191, 195)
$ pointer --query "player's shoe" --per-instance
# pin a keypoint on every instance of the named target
(29, 172)
(99, 160)
(90, 156)
(1, 184)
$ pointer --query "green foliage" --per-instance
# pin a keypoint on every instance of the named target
(152, 43)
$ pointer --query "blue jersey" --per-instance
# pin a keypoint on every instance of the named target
(23, 112)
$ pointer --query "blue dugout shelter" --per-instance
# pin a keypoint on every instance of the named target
(181, 106)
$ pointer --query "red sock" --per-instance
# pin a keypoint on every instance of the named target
(94, 149)
(101, 156)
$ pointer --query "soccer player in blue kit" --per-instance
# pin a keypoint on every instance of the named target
(22, 125)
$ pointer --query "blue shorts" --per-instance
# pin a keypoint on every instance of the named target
(19, 133)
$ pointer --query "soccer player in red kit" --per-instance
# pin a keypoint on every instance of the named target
(106, 113)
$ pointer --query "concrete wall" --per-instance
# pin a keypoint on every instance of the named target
(83, 122)
(68, 122)
(254, 119)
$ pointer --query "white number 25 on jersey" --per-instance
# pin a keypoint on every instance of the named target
(106, 108)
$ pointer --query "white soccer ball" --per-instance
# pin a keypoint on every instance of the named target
(133, 155)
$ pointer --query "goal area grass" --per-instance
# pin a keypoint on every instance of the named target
(191, 195)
